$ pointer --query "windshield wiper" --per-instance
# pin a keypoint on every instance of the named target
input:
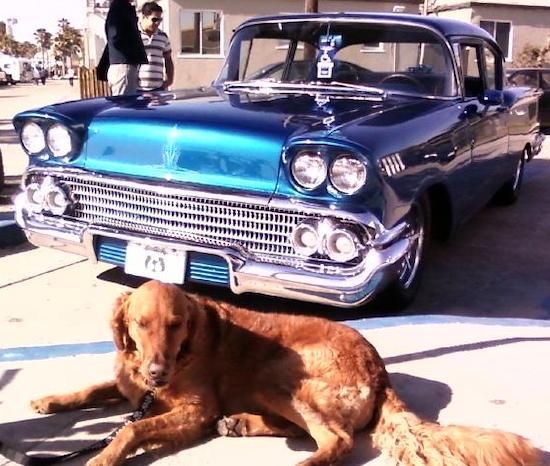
(313, 88)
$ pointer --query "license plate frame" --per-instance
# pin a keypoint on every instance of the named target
(167, 265)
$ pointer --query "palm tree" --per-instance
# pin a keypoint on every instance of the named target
(44, 41)
(68, 41)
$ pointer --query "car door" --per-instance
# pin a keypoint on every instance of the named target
(482, 71)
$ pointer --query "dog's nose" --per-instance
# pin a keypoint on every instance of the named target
(157, 371)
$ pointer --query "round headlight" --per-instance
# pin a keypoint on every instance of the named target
(348, 174)
(59, 140)
(35, 198)
(305, 239)
(32, 138)
(309, 169)
(341, 245)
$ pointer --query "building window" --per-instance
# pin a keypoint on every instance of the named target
(375, 47)
(501, 32)
(200, 32)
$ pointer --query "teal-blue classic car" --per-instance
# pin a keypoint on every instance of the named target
(317, 166)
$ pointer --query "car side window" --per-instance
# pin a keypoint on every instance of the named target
(524, 78)
(470, 63)
(545, 80)
(490, 63)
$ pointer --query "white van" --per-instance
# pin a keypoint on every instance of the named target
(11, 67)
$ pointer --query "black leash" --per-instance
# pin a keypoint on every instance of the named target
(27, 460)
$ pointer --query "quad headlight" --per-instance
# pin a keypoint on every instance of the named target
(309, 169)
(59, 140)
(56, 139)
(32, 138)
(344, 172)
(348, 174)
(47, 195)
(338, 241)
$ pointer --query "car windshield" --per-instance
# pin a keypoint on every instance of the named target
(392, 57)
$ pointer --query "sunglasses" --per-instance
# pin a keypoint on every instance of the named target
(156, 20)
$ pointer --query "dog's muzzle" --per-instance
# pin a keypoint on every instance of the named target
(157, 374)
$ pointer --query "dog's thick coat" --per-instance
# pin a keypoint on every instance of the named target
(215, 365)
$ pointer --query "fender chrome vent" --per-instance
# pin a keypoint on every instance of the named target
(391, 165)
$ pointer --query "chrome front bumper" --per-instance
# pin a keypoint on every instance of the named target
(245, 275)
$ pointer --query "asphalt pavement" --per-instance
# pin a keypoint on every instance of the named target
(473, 348)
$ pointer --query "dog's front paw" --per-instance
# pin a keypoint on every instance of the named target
(100, 460)
(232, 426)
(46, 405)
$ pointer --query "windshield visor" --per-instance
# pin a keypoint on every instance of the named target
(393, 57)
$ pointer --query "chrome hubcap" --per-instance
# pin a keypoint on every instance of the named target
(410, 263)
(519, 169)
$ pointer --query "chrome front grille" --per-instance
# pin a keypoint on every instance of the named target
(255, 229)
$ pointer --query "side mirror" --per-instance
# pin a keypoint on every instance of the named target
(492, 97)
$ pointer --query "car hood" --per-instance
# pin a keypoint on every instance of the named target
(209, 138)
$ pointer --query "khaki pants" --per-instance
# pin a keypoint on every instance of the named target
(123, 78)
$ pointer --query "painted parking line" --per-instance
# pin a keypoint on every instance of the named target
(31, 353)
(433, 319)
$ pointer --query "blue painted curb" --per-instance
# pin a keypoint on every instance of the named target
(10, 233)
(386, 322)
(32, 353)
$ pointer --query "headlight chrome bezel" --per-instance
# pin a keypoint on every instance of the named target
(33, 126)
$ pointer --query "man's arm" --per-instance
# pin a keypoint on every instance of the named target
(169, 67)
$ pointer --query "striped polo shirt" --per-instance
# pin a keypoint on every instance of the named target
(151, 75)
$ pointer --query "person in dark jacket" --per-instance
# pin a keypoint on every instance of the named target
(124, 52)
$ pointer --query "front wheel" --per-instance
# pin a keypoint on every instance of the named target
(509, 193)
(403, 289)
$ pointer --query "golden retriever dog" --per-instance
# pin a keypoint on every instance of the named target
(215, 366)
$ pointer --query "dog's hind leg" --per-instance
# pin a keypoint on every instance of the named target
(103, 393)
(250, 425)
(334, 440)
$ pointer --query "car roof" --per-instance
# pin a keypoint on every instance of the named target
(445, 26)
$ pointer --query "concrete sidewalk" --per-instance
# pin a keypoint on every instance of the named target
(482, 372)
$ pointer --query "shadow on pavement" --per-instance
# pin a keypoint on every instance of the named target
(23, 246)
(436, 352)
(39, 434)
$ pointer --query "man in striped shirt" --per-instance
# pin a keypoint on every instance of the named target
(158, 74)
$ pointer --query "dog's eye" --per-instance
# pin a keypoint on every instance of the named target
(175, 325)
(141, 324)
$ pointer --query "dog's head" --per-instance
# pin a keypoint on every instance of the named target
(154, 323)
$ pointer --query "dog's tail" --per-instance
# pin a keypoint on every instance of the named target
(411, 441)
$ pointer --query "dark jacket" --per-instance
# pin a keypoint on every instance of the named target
(124, 43)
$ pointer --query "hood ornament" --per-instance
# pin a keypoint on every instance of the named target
(171, 151)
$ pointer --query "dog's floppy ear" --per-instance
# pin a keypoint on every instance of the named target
(118, 321)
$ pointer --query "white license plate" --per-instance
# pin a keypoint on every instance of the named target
(163, 264)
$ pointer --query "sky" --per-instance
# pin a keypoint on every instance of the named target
(34, 14)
